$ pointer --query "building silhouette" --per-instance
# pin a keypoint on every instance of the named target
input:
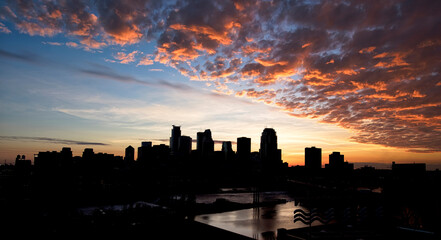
(88, 154)
(270, 156)
(144, 151)
(313, 158)
(408, 169)
(207, 144)
(184, 147)
(129, 157)
(227, 151)
(243, 149)
(174, 139)
(199, 141)
(337, 162)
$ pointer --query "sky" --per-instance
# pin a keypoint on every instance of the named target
(358, 77)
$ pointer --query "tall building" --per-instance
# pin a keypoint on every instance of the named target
(270, 156)
(226, 146)
(66, 158)
(313, 158)
(337, 162)
(130, 155)
(227, 151)
(144, 151)
(184, 145)
(199, 141)
(88, 154)
(207, 144)
(174, 139)
(243, 148)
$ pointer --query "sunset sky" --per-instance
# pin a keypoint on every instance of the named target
(358, 77)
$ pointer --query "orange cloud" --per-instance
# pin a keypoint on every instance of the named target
(269, 63)
(396, 60)
(347, 72)
(56, 14)
(91, 43)
(146, 60)
(206, 30)
(125, 58)
(367, 50)
(32, 29)
(72, 44)
(306, 45)
(378, 86)
(84, 27)
(250, 49)
(129, 34)
(317, 78)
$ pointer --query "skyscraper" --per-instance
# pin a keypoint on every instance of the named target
(270, 156)
(199, 141)
(227, 150)
(207, 144)
(184, 145)
(243, 149)
(313, 158)
(144, 151)
(130, 155)
(174, 139)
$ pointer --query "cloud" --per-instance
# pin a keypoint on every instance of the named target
(108, 74)
(145, 61)
(53, 43)
(372, 68)
(50, 140)
(31, 58)
(4, 29)
(125, 58)
(113, 76)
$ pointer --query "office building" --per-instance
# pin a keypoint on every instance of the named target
(313, 158)
(130, 155)
(207, 144)
(174, 139)
(243, 149)
(270, 156)
(337, 162)
(144, 151)
(199, 141)
(184, 145)
(227, 151)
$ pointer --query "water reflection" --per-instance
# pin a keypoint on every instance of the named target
(257, 223)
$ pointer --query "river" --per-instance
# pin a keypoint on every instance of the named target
(257, 223)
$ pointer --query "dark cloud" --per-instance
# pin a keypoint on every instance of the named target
(30, 58)
(50, 140)
(372, 67)
(107, 73)
(113, 76)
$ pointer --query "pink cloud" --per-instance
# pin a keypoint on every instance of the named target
(125, 58)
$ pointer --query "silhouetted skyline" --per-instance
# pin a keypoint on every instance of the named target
(163, 185)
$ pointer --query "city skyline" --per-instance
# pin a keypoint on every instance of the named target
(358, 78)
(188, 147)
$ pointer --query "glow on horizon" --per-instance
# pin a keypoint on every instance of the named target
(118, 74)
